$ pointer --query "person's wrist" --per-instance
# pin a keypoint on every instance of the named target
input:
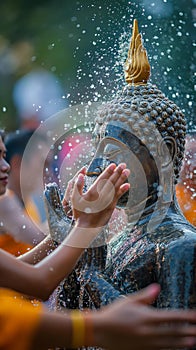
(88, 224)
(83, 331)
(82, 236)
(98, 326)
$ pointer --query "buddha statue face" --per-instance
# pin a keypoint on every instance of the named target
(116, 144)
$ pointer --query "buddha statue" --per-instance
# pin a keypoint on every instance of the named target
(145, 129)
(142, 127)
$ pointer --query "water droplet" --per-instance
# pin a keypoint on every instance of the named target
(51, 46)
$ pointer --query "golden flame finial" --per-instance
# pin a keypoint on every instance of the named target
(137, 67)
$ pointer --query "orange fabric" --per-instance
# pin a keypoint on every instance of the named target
(187, 203)
(8, 243)
(32, 211)
(19, 319)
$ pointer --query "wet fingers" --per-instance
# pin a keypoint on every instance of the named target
(122, 178)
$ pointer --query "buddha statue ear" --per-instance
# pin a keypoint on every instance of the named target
(167, 151)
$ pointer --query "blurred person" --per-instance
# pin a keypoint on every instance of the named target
(26, 325)
(37, 96)
(186, 186)
(22, 222)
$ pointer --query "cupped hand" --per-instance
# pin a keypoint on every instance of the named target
(66, 202)
(94, 207)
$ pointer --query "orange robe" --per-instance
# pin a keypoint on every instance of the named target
(186, 202)
(19, 319)
(7, 241)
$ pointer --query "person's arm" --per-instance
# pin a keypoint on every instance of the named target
(128, 323)
(41, 279)
(39, 252)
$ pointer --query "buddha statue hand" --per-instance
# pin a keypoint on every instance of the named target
(59, 223)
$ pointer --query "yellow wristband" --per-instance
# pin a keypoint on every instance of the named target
(78, 328)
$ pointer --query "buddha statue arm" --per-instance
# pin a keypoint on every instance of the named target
(177, 274)
(99, 290)
(59, 223)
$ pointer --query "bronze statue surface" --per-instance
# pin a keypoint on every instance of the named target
(143, 128)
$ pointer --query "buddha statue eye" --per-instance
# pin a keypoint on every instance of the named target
(111, 150)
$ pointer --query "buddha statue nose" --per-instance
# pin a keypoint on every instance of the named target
(97, 166)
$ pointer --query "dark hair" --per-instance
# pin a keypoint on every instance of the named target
(17, 141)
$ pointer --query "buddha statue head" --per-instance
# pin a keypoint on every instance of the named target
(143, 128)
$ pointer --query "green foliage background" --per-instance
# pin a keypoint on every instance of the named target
(79, 41)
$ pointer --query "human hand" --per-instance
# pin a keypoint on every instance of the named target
(94, 208)
(66, 202)
(130, 323)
